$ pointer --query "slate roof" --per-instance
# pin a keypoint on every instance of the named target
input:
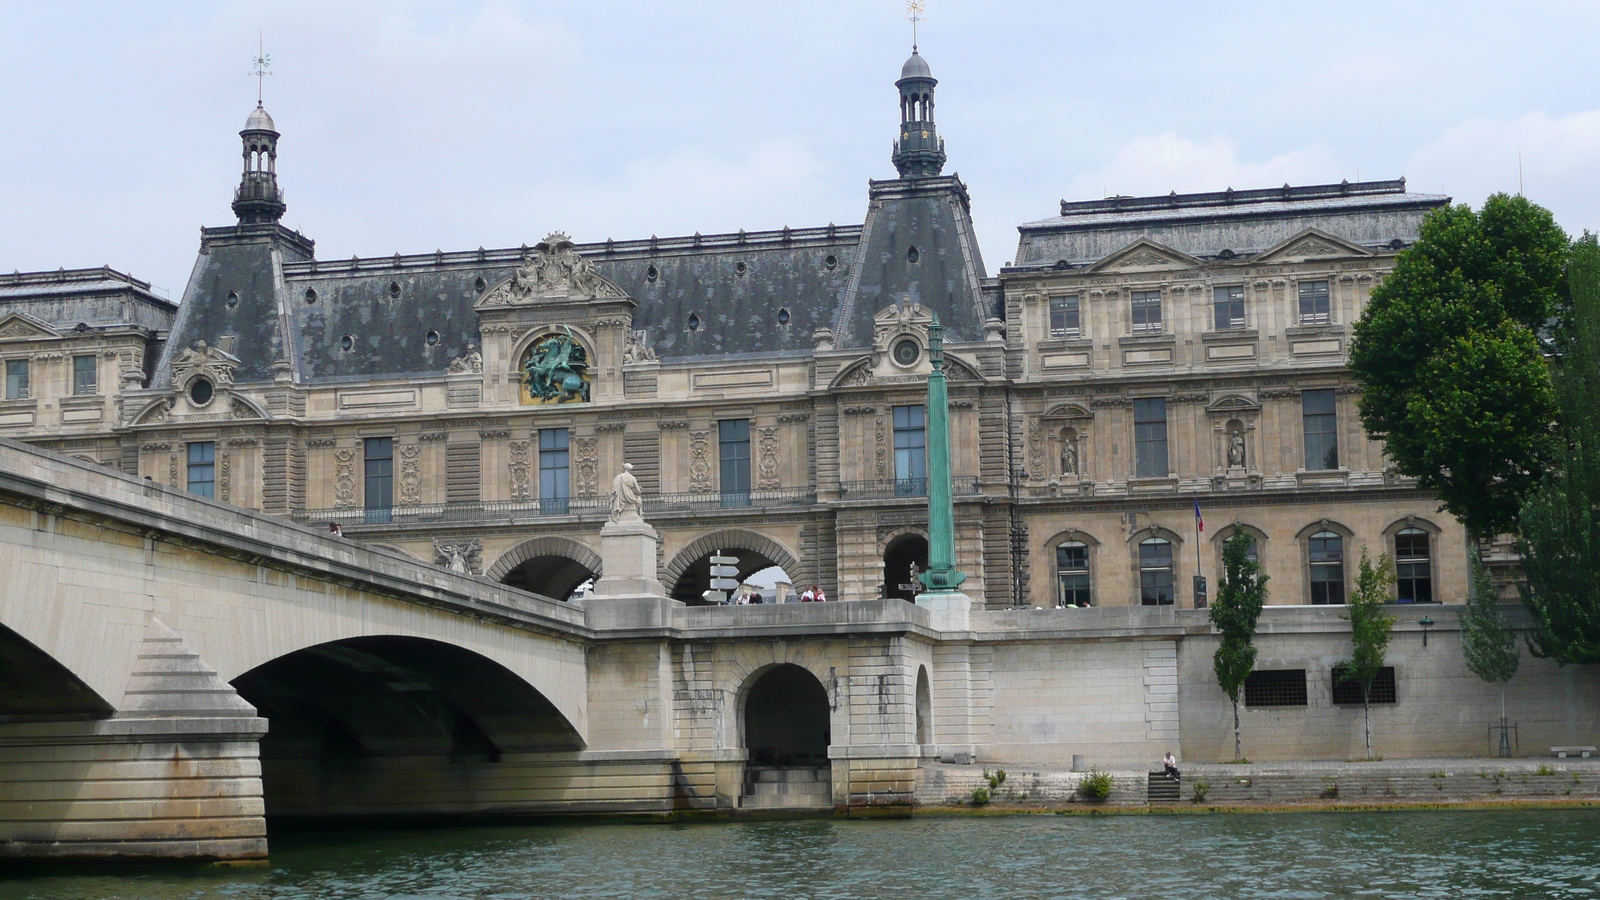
(95, 297)
(1374, 214)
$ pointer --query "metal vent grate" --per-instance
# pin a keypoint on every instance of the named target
(1348, 693)
(1277, 687)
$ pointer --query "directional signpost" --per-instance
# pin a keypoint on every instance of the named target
(724, 575)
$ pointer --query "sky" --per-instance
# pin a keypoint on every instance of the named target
(415, 126)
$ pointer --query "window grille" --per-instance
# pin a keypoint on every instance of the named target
(1348, 693)
(1276, 687)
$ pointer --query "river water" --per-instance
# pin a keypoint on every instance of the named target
(1462, 854)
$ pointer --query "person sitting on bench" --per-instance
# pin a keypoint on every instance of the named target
(1171, 766)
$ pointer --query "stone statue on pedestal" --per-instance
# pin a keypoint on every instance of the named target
(626, 500)
(1236, 449)
(1069, 456)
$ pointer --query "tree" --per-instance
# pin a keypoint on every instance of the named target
(1238, 605)
(1488, 642)
(1561, 518)
(1450, 362)
(1370, 624)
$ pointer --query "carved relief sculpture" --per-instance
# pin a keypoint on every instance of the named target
(202, 359)
(224, 476)
(699, 461)
(344, 477)
(554, 269)
(588, 460)
(460, 557)
(637, 350)
(521, 467)
(470, 363)
(556, 370)
(882, 452)
(767, 471)
(1035, 448)
(410, 475)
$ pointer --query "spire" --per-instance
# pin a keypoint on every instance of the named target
(258, 199)
(919, 153)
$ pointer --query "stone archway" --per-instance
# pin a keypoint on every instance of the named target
(899, 554)
(550, 565)
(787, 730)
(687, 575)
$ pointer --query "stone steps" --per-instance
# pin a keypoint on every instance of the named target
(1161, 789)
(771, 787)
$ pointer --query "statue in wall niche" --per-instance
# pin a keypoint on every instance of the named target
(470, 363)
(626, 499)
(1069, 455)
(556, 369)
(1236, 449)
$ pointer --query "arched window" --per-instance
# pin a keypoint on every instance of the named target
(1155, 572)
(1072, 573)
(1327, 568)
(1413, 566)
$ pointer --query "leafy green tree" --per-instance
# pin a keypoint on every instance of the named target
(1238, 605)
(1370, 628)
(1451, 366)
(1561, 518)
(1488, 642)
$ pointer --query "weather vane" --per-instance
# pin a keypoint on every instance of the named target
(262, 68)
(914, 15)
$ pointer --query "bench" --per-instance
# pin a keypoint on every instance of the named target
(1562, 752)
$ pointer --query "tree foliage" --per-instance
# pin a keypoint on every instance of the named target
(1449, 357)
(1488, 642)
(1561, 519)
(1370, 628)
(1237, 608)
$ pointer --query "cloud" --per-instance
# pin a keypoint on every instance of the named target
(1157, 164)
(1479, 157)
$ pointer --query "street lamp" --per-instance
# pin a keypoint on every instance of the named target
(1426, 623)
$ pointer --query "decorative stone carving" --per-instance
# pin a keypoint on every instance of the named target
(410, 474)
(627, 502)
(224, 475)
(201, 359)
(636, 348)
(1035, 447)
(767, 470)
(610, 427)
(344, 477)
(241, 409)
(172, 469)
(699, 461)
(316, 443)
(882, 452)
(521, 468)
(555, 369)
(587, 455)
(859, 410)
(1144, 258)
(469, 364)
(555, 269)
(672, 424)
(461, 557)
(792, 418)
(860, 376)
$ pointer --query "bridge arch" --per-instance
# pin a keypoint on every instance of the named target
(35, 686)
(687, 575)
(358, 721)
(550, 564)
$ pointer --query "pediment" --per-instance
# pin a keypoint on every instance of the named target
(1234, 403)
(856, 374)
(1312, 243)
(1145, 255)
(555, 271)
(1068, 411)
(23, 327)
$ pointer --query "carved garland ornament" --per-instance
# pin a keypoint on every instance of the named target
(699, 461)
(344, 477)
(882, 453)
(521, 466)
(588, 460)
(410, 475)
(768, 477)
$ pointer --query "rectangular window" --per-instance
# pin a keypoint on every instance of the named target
(1276, 687)
(1327, 568)
(1314, 306)
(1321, 428)
(911, 450)
(1348, 693)
(84, 372)
(379, 477)
(733, 436)
(16, 379)
(1150, 437)
(202, 468)
(1072, 574)
(1412, 569)
(1064, 317)
(1146, 312)
(555, 481)
(1229, 307)
(1155, 573)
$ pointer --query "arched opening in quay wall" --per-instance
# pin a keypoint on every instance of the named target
(787, 732)
(903, 552)
(384, 725)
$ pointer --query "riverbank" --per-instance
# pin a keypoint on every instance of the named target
(1299, 786)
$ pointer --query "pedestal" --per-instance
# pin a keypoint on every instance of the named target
(628, 595)
(949, 610)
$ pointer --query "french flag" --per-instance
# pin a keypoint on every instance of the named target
(1199, 520)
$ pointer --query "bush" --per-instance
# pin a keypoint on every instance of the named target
(1096, 785)
(980, 796)
(1201, 789)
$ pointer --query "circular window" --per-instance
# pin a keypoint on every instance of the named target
(433, 338)
(739, 268)
(913, 255)
(783, 317)
(201, 391)
(394, 288)
(347, 343)
(651, 274)
(233, 298)
(311, 295)
(907, 352)
(478, 284)
(830, 260)
(694, 322)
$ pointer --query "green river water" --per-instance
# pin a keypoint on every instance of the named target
(1459, 854)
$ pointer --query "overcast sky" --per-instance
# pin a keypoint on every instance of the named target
(419, 126)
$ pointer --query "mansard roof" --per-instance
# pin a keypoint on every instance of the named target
(99, 297)
(1227, 224)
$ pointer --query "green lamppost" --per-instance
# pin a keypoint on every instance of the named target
(942, 577)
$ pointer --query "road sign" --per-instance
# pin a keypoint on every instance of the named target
(724, 584)
(725, 560)
(724, 572)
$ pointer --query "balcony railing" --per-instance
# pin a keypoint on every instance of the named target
(595, 505)
(892, 488)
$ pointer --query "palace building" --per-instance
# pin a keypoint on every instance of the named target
(1142, 359)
